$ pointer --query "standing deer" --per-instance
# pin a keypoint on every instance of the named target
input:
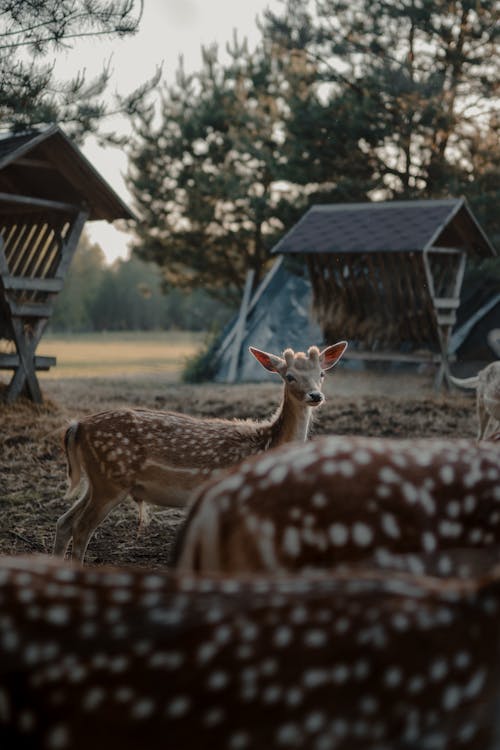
(159, 457)
(342, 499)
(364, 660)
(487, 386)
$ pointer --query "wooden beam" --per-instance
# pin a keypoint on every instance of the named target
(447, 302)
(34, 285)
(240, 327)
(30, 310)
(12, 362)
(32, 202)
(445, 250)
(391, 356)
(37, 163)
(26, 372)
(70, 243)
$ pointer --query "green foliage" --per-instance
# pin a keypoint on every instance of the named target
(201, 367)
(128, 296)
(73, 309)
(410, 86)
(202, 177)
(31, 31)
(340, 101)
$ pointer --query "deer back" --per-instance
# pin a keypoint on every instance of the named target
(350, 661)
(342, 499)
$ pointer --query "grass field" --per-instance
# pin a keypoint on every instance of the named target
(119, 354)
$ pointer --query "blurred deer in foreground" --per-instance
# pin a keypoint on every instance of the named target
(159, 457)
(343, 661)
(487, 386)
(341, 499)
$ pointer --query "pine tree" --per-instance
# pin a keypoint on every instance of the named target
(341, 101)
(31, 32)
(416, 82)
(204, 178)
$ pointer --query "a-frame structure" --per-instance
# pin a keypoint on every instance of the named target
(387, 275)
(48, 190)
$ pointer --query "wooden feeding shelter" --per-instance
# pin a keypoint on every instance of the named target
(48, 190)
(387, 275)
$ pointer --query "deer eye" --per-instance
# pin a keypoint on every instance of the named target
(289, 377)
(322, 374)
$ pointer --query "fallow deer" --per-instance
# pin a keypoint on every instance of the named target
(159, 457)
(364, 660)
(487, 386)
(341, 499)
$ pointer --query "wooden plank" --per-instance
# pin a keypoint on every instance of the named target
(12, 361)
(459, 276)
(446, 320)
(447, 302)
(240, 327)
(256, 297)
(36, 163)
(37, 244)
(35, 285)
(49, 251)
(13, 249)
(25, 373)
(30, 310)
(391, 356)
(24, 249)
(70, 244)
(350, 281)
(4, 268)
(394, 310)
(34, 203)
(445, 250)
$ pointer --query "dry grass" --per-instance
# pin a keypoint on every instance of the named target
(32, 466)
(112, 354)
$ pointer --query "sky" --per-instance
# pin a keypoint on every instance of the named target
(169, 28)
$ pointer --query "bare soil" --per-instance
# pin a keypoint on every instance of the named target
(32, 465)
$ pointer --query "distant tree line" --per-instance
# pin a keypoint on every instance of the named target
(128, 296)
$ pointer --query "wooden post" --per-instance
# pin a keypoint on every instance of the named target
(27, 321)
(445, 307)
(240, 327)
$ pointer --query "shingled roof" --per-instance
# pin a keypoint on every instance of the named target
(45, 164)
(393, 226)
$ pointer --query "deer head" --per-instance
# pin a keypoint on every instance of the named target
(302, 373)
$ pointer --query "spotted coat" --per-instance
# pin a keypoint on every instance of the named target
(138, 658)
(159, 457)
(342, 499)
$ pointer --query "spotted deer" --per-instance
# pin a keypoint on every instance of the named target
(160, 456)
(364, 660)
(341, 499)
(487, 386)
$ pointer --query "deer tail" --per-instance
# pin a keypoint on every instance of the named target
(72, 460)
(197, 545)
(464, 382)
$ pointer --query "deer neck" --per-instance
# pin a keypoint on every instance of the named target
(290, 423)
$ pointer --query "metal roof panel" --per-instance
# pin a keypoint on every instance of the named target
(391, 226)
(70, 173)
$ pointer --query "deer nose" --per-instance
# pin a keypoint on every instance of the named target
(315, 396)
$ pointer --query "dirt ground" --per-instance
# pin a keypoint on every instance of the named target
(32, 466)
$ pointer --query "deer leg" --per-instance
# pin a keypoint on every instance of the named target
(483, 418)
(92, 515)
(64, 525)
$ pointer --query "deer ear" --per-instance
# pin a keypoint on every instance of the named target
(270, 361)
(331, 355)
